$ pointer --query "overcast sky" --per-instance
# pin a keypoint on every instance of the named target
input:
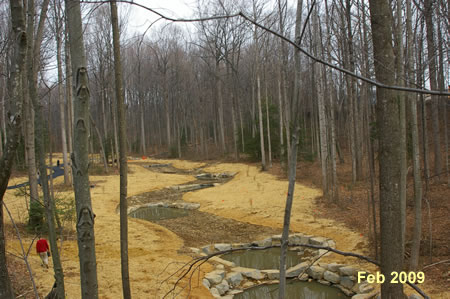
(140, 18)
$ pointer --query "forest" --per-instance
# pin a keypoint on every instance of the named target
(319, 117)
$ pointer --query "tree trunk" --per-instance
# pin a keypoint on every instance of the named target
(269, 142)
(102, 142)
(69, 102)
(287, 214)
(261, 127)
(432, 69)
(6, 161)
(80, 159)
(62, 109)
(389, 152)
(29, 114)
(402, 106)
(122, 154)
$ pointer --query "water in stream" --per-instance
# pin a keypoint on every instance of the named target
(158, 213)
(262, 259)
(294, 290)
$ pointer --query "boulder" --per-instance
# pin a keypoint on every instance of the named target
(346, 282)
(215, 277)
(206, 283)
(208, 249)
(365, 288)
(297, 269)
(331, 277)
(234, 278)
(321, 241)
(223, 287)
(272, 274)
(316, 272)
(222, 261)
(248, 284)
(215, 292)
(303, 277)
(333, 267)
(348, 271)
(331, 243)
(249, 272)
(220, 267)
(264, 243)
(324, 282)
(222, 247)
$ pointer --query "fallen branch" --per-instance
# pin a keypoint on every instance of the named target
(203, 259)
(25, 255)
(311, 56)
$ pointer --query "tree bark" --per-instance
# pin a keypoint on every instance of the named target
(432, 69)
(287, 215)
(390, 151)
(121, 116)
(80, 159)
(19, 39)
(62, 108)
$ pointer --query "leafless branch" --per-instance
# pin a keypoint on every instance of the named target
(25, 255)
(204, 259)
(308, 54)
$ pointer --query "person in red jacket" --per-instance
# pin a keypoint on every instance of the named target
(42, 249)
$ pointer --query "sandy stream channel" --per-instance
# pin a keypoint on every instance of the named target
(252, 196)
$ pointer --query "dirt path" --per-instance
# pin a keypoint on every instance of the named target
(251, 197)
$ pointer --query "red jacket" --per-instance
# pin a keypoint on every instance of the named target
(41, 246)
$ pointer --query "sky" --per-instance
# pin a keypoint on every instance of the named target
(140, 18)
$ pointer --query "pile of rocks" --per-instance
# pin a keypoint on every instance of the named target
(176, 205)
(228, 280)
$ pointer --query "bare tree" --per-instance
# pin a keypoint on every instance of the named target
(19, 48)
(390, 150)
(80, 160)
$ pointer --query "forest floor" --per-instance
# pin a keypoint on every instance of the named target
(249, 207)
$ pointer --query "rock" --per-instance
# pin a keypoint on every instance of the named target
(331, 277)
(223, 287)
(216, 276)
(318, 241)
(208, 249)
(348, 271)
(363, 296)
(324, 282)
(192, 206)
(346, 282)
(222, 247)
(222, 261)
(206, 283)
(297, 269)
(331, 243)
(195, 250)
(333, 267)
(276, 238)
(414, 296)
(264, 243)
(316, 272)
(272, 274)
(295, 239)
(220, 267)
(215, 292)
(235, 292)
(365, 288)
(303, 277)
(234, 278)
(249, 272)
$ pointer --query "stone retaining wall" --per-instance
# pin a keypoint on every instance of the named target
(228, 280)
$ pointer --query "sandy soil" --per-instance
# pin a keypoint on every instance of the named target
(252, 196)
